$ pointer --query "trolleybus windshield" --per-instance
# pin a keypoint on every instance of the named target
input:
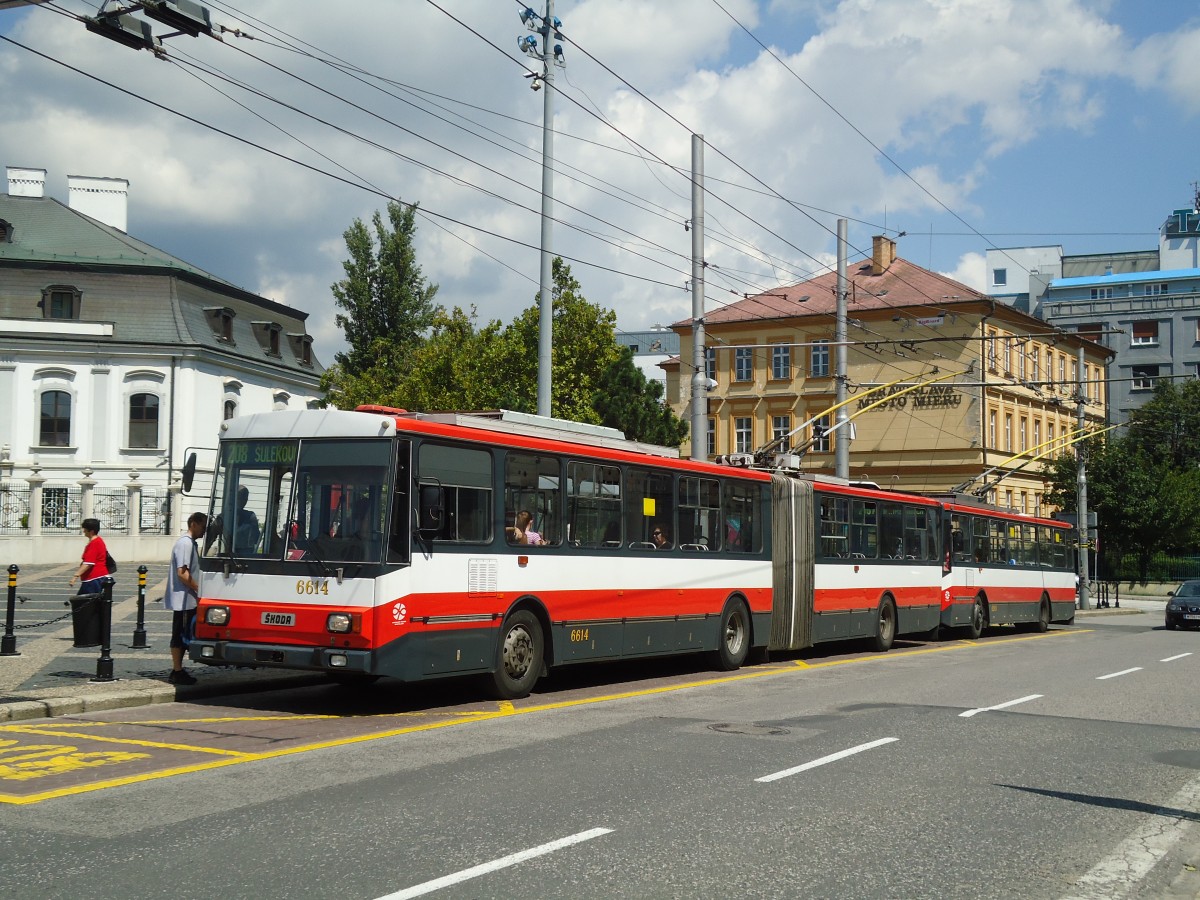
(323, 500)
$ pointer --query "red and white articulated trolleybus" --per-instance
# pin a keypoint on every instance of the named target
(1007, 568)
(383, 543)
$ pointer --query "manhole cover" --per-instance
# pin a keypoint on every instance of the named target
(750, 728)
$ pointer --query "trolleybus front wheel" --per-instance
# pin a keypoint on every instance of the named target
(733, 638)
(518, 657)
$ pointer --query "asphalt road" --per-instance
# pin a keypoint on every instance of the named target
(1045, 766)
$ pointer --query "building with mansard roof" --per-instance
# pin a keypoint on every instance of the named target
(117, 360)
(945, 382)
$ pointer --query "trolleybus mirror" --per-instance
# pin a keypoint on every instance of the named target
(430, 507)
(189, 472)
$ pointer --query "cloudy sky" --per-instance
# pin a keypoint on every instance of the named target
(967, 124)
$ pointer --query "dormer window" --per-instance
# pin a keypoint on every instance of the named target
(268, 336)
(220, 320)
(6, 232)
(302, 347)
(60, 301)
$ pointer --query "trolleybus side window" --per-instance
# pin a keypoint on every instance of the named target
(402, 505)
(699, 514)
(649, 507)
(533, 484)
(864, 529)
(1058, 549)
(835, 527)
(998, 551)
(1029, 547)
(960, 537)
(918, 534)
(593, 505)
(891, 530)
(982, 540)
(743, 518)
(465, 476)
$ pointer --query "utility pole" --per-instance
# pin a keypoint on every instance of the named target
(841, 450)
(550, 56)
(699, 356)
(1081, 499)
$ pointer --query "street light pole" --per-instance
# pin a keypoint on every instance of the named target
(1081, 499)
(699, 355)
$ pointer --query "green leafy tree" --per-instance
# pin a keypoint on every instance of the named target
(1145, 486)
(627, 400)
(387, 303)
(584, 346)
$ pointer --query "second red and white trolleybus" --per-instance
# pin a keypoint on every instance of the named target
(382, 543)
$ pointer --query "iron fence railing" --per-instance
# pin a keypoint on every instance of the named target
(14, 509)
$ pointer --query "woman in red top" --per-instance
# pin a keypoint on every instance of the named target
(94, 565)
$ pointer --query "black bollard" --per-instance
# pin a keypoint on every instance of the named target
(8, 644)
(104, 665)
(139, 631)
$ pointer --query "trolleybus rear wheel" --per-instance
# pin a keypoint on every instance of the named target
(733, 637)
(518, 657)
(1043, 620)
(885, 625)
(979, 618)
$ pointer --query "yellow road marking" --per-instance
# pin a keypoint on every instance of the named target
(132, 742)
(462, 719)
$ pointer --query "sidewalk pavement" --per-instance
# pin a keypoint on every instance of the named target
(51, 677)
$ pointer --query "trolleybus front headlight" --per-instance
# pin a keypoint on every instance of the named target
(339, 623)
(216, 615)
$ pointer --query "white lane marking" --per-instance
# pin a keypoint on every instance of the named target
(972, 712)
(1118, 874)
(437, 884)
(832, 757)
(1116, 674)
(1176, 656)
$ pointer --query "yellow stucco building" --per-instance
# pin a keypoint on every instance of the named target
(1006, 381)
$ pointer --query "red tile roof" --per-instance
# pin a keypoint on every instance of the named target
(903, 284)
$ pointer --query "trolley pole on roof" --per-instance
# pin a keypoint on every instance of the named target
(841, 450)
(699, 356)
(1081, 500)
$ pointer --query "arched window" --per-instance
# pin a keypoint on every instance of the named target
(55, 425)
(143, 422)
(230, 410)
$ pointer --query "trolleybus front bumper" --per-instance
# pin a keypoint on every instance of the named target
(281, 656)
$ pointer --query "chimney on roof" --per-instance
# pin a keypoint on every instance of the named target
(883, 253)
(104, 199)
(26, 182)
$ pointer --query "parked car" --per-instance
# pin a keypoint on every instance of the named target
(1183, 606)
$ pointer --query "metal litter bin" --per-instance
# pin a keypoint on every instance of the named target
(85, 619)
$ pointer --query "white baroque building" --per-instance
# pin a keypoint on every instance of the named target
(116, 361)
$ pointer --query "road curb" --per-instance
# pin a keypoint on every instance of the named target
(26, 708)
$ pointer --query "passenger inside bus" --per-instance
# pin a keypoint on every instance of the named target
(522, 531)
(661, 537)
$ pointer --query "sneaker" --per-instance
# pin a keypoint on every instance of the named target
(183, 676)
